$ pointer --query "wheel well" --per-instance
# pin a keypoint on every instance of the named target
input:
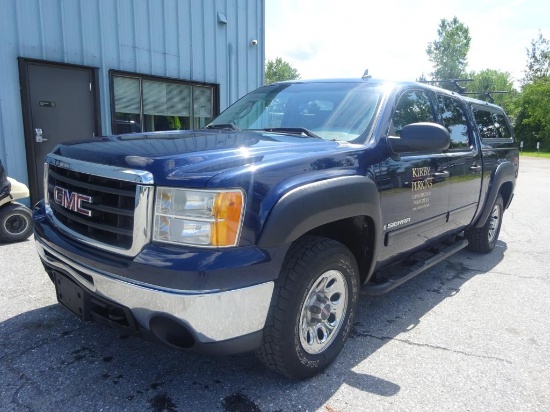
(506, 192)
(357, 234)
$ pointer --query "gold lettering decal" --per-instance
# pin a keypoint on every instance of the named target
(422, 184)
(420, 171)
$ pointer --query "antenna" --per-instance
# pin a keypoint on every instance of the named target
(366, 75)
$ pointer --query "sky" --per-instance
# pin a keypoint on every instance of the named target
(342, 38)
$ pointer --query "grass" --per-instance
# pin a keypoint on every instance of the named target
(535, 154)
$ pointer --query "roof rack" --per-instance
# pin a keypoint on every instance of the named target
(462, 90)
(455, 82)
(488, 94)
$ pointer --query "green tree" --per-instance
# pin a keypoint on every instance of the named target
(489, 80)
(538, 60)
(279, 70)
(533, 106)
(533, 119)
(448, 53)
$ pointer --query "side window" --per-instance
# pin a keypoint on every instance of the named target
(485, 124)
(502, 126)
(454, 119)
(413, 107)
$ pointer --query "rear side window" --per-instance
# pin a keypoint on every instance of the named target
(491, 125)
(454, 119)
(502, 126)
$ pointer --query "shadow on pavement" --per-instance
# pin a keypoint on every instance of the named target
(49, 360)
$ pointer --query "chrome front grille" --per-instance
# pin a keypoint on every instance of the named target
(111, 209)
(102, 206)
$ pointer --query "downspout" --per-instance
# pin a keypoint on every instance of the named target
(230, 73)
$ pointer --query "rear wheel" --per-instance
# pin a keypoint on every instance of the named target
(312, 308)
(15, 222)
(484, 239)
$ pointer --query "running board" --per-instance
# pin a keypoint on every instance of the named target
(397, 280)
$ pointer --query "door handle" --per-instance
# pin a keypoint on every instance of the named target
(38, 136)
(442, 175)
(475, 168)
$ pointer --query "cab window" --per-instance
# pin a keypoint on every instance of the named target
(492, 124)
(502, 126)
(485, 124)
(454, 119)
(413, 107)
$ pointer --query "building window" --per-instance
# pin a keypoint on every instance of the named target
(146, 104)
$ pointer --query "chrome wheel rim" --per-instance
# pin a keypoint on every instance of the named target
(494, 223)
(323, 311)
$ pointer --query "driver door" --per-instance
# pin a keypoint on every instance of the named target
(413, 186)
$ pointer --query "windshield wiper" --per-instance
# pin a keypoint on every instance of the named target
(301, 131)
(222, 126)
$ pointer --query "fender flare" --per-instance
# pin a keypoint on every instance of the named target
(504, 173)
(314, 204)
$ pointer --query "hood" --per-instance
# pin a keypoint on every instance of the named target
(192, 156)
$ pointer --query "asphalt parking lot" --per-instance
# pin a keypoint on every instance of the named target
(471, 334)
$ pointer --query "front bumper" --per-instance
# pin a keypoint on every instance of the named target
(233, 319)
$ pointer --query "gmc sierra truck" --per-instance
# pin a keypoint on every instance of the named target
(257, 232)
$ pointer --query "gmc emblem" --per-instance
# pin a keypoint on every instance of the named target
(72, 201)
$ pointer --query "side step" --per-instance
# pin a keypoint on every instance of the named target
(396, 280)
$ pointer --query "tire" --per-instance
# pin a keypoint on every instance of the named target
(312, 308)
(484, 239)
(15, 222)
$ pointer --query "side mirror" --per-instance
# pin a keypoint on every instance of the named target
(421, 137)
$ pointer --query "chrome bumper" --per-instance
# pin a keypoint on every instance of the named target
(212, 317)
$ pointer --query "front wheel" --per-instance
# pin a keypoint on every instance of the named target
(15, 222)
(484, 239)
(312, 308)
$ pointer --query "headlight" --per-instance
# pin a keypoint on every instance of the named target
(198, 217)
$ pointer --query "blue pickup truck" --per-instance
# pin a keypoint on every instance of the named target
(257, 232)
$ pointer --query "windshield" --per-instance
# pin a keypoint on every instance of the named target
(332, 111)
